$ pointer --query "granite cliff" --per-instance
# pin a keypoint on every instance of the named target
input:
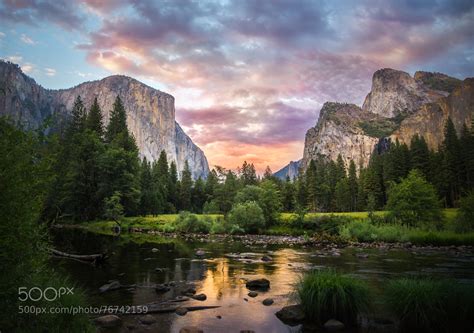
(397, 107)
(150, 112)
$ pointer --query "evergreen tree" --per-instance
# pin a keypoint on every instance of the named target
(420, 155)
(288, 195)
(211, 185)
(225, 194)
(198, 195)
(342, 195)
(467, 155)
(452, 159)
(312, 186)
(79, 116)
(118, 122)
(353, 186)
(301, 192)
(173, 188)
(94, 119)
(149, 202)
(248, 175)
(185, 188)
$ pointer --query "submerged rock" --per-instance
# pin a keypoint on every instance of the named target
(333, 325)
(113, 285)
(148, 319)
(181, 311)
(252, 294)
(291, 315)
(200, 253)
(267, 258)
(108, 321)
(161, 288)
(261, 284)
(191, 329)
(200, 297)
(267, 301)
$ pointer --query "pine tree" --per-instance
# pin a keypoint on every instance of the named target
(185, 188)
(148, 199)
(452, 158)
(353, 185)
(173, 188)
(420, 155)
(94, 119)
(467, 155)
(288, 195)
(118, 122)
(248, 175)
(211, 185)
(312, 186)
(198, 195)
(225, 194)
(301, 192)
(79, 116)
(342, 196)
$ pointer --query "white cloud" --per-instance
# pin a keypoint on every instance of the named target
(2, 34)
(27, 67)
(14, 59)
(50, 71)
(27, 40)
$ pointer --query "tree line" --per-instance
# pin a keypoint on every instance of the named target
(97, 168)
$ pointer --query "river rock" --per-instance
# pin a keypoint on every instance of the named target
(108, 321)
(189, 291)
(154, 249)
(200, 297)
(147, 319)
(261, 284)
(181, 311)
(267, 258)
(267, 301)
(112, 285)
(191, 329)
(200, 253)
(362, 255)
(252, 294)
(291, 315)
(333, 325)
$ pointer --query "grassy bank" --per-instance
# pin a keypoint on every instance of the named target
(356, 226)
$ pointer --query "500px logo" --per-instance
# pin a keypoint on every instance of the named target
(49, 294)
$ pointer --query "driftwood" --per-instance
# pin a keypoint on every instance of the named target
(90, 258)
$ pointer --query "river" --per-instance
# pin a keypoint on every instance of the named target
(147, 260)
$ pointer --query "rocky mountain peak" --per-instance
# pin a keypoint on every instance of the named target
(396, 93)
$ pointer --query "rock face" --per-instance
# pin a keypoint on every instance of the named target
(396, 93)
(290, 170)
(398, 107)
(150, 112)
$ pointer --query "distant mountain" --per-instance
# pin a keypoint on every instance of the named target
(397, 107)
(150, 112)
(290, 170)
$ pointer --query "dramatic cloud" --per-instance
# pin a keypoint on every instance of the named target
(250, 76)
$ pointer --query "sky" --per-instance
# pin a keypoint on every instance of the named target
(248, 76)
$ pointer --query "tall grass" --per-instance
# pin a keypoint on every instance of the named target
(426, 305)
(328, 295)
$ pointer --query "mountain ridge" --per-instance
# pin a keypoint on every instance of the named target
(150, 112)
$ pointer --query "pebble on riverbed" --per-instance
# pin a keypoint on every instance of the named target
(181, 311)
(261, 284)
(252, 294)
(267, 301)
(200, 297)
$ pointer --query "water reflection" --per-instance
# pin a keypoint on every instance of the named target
(147, 260)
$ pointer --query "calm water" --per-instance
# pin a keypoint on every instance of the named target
(222, 278)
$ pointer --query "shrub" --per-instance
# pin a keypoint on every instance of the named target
(187, 222)
(328, 295)
(247, 217)
(465, 217)
(426, 305)
(365, 231)
(211, 207)
(414, 200)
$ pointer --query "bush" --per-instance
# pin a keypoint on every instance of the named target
(414, 200)
(465, 217)
(187, 222)
(365, 231)
(247, 217)
(328, 295)
(426, 305)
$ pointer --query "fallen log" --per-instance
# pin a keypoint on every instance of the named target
(94, 258)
